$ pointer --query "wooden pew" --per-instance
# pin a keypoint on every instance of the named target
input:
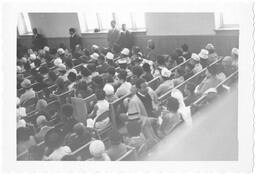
(64, 97)
(130, 155)
(180, 65)
(25, 156)
(154, 83)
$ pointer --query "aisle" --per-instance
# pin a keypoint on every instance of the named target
(212, 137)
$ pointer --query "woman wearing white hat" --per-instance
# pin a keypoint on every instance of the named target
(195, 60)
(204, 57)
(97, 150)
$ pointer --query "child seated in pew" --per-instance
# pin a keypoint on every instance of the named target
(169, 118)
(97, 150)
(101, 106)
(54, 150)
(117, 148)
(80, 136)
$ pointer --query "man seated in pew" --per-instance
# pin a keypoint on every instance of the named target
(169, 118)
(204, 57)
(97, 83)
(234, 54)
(189, 93)
(147, 72)
(110, 93)
(83, 90)
(137, 72)
(86, 75)
(24, 139)
(195, 61)
(117, 148)
(228, 69)
(42, 124)
(170, 62)
(178, 76)
(72, 81)
(210, 81)
(185, 51)
(167, 83)
(125, 86)
(212, 55)
(102, 65)
(79, 137)
(188, 71)
(180, 59)
(101, 106)
(29, 92)
(61, 88)
(160, 64)
(97, 150)
(54, 150)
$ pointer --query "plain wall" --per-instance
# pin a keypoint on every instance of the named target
(180, 23)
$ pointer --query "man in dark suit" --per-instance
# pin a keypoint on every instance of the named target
(113, 35)
(38, 41)
(125, 38)
(74, 39)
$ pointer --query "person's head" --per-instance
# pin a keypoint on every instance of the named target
(62, 69)
(122, 65)
(160, 60)
(26, 84)
(109, 90)
(133, 129)
(100, 95)
(137, 71)
(151, 44)
(172, 104)
(60, 83)
(194, 59)
(124, 27)
(227, 61)
(142, 86)
(166, 74)
(53, 138)
(211, 71)
(235, 53)
(69, 64)
(67, 111)
(115, 138)
(188, 68)
(146, 67)
(72, 31)
(101, 60)
(184, 47)
(35, 31)
(91, 67)
(82, 86)
(122, 76)
(23, 134)
(97, 148)
(79, 129)
(52, 76)
(135, 50)
(111, 71)
(41, 105)
(43, 70)
(85, 72)
(210, 48)
(72, 77)
(113, 23)
(98, 82)
(41, 121)
(189, 88)
(95, 49)
(178, 51)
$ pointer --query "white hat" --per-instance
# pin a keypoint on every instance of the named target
(203, 54)
(235, 51)
(21, 123)
(109, 90)
(32, 56)
(40, 119)
(195, 57)
(109, 56)
(57, 61)
(32, 65)
(23, 59)
(94, 46)
(94, 56)
(122, 61)
(96, 148)
(209, 46)
(60, 51)
(166, 73)
(46, 49)
(61, 67)
(125, 51)
(19, 70)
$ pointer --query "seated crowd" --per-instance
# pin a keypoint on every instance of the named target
(105, 76)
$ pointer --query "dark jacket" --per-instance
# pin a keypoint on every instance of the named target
(73, 41)
(38, 42)
(125, 39)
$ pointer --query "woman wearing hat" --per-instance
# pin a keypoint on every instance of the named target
(29, 92)
(204, 58)
(97, 150)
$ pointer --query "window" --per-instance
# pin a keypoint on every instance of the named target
(91, 21)
(228, 16)
(24, 26)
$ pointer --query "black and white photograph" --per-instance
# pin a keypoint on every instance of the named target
(161, 86)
